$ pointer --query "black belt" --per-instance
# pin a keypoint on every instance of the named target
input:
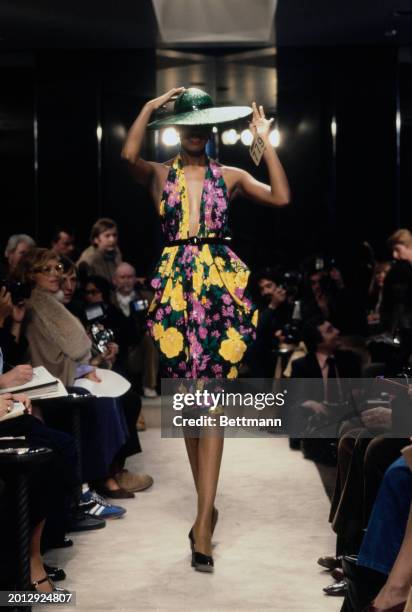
(199, 240)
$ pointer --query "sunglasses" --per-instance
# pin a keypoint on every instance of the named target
(48, 270)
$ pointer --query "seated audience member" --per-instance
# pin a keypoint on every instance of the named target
(383, 570)
(400, 244)
(331, 368)
(130, 402)
(62, 242)
(376, 294)
(274, 314)
(12, 341)
(58, 341)
(325, 294)
(392, 345)
(103, 255)
(50, 488)
(130, 297)
(17, 246)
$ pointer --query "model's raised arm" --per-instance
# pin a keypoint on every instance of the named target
(143, 170)
(278, 192)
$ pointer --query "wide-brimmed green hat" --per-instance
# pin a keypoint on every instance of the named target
(195, 107)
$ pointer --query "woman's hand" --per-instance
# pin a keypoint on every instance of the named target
(93, 376)
(259, 124)
(18, 375)
(6, 305)
(157, 103)
(19, 311)
(6, 404)
(26, 401)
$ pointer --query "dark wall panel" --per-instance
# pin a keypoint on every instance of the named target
(17, 194)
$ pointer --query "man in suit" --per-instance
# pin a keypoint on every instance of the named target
(143, 357)
(321, 400)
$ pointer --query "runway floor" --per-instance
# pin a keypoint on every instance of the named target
(272, 528)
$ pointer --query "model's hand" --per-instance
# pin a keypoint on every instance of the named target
(165, 98)
(259, 124)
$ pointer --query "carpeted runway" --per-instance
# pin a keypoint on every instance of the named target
(272, 528)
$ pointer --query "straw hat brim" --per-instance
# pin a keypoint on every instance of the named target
(205, 116)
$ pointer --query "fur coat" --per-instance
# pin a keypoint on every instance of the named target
(57, 340)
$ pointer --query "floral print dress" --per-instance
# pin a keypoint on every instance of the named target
(201, 316)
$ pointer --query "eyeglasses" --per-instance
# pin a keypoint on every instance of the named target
(48, 270)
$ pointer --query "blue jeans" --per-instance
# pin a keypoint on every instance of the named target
(387, 524)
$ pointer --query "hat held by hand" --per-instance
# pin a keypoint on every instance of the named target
(195, 107)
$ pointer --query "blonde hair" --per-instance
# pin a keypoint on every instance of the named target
(401, 236)
(33, 261)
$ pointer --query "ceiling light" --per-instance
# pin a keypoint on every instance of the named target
(170, 137)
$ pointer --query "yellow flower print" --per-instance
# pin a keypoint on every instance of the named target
(232, 372)
(205, 255)
(177, 300)
(198, 279)
(158, 331)
(241, 278)
(153, 305)
(220, 262)
(214, 277)
(230, 281)
(171, 342)
(162, 208)
(233, 348)
(255, 318)
(167, 291)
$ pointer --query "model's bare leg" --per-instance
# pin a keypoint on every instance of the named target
(210, 451)
(192, 446)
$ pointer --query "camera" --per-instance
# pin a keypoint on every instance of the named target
(101, 335)
(291, 282)
(19, 291)
(139, 306)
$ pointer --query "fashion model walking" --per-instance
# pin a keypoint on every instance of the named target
(201, 316)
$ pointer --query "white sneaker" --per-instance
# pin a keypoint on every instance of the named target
(149, 392)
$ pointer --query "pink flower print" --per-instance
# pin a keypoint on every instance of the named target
(215, 170)
(156, 282)
(168, 309)
(216, 317)
(196, 348)
(217, 369)
(203, 364)
(202, 332)
(239, 292)
(228, 312)
(159, 314)
(215, 333)
(198, 313)
(227, 299)
(208, 321)
(182, 365)
(228, 323)
(174, 195)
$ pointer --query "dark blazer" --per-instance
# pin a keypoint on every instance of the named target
(347, 363)
(348, 366)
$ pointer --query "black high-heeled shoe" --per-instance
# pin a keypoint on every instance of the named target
(215, 516)
(202, 563)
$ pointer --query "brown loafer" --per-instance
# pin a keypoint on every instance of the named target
(116, 493)
(133, 482)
